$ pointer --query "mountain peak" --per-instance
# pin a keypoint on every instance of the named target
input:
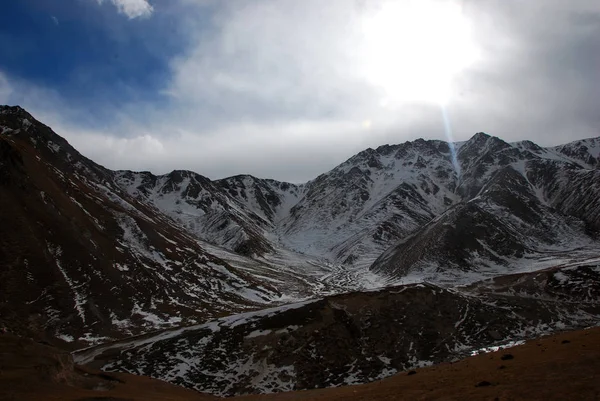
(6, 109)
(482, 142)
(480, 136)
(15, 118)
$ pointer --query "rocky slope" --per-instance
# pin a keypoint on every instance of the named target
(358, 337)
(82, 259)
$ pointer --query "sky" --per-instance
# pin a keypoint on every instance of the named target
(288, 89)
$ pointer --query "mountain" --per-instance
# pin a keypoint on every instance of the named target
(355, 211)
(380, 197)
(358, 337)
(350, 215)
(180, 248)
(84, 260)
(585, 152)
(519, 203)
(402, 256)
(205, 208)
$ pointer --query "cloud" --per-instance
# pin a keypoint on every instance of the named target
(133, 8)
(275, 59)
(279, 89)
(274, 62)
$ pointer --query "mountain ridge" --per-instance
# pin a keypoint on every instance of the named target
(401, 256)
(267, 241)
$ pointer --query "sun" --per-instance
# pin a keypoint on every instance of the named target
(414, 49)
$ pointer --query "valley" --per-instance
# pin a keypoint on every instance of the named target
(391, 261)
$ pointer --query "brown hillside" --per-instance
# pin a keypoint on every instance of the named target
(30, 371)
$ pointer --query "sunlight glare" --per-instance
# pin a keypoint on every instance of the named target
(414, 49)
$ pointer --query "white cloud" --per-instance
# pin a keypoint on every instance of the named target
(133, 8)
(290, 57)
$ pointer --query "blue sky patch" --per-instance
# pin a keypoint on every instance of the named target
(87, 52)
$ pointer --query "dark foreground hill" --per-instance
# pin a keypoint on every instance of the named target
(559, 367)
(357, 337)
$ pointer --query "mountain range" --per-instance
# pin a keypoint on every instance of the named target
(244, 277)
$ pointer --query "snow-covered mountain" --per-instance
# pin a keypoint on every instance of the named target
(355, 211)
(350, 215)
(180, 247)
(403, 255)
(518, 202)
(202, 207)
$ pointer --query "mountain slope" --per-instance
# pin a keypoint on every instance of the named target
(517, 201)
(350, 215)
(69, 237)
(202, 207)
(354, 212)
